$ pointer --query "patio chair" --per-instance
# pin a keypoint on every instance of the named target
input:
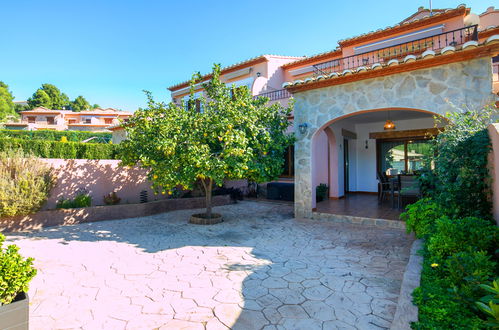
(384, 186)
(408, 187)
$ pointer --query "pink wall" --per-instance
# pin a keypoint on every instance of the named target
(99, 178)
(494, 169)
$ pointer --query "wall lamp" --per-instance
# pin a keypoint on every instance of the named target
(258, 74)
(303, 128)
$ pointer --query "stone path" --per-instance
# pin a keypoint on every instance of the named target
(260, 269)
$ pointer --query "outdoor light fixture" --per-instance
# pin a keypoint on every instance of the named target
(303, 128)
(258, 74)
(389, 125)
(367, 144)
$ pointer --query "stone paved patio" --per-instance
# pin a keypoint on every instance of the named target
(260, 269)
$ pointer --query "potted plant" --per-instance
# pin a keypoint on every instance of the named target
(15, 274)
(321, 192)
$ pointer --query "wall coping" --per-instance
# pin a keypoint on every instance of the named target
(64, 217)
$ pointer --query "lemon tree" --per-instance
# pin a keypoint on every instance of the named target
(224, 134)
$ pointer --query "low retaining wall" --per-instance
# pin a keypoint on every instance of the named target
(100, 213)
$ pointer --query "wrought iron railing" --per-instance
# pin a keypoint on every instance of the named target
(399, 51)
(275, 95)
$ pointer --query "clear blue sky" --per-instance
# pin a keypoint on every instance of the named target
(110, 50)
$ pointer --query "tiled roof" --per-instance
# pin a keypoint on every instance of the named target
(437, 14)
(108, 111)
(235, 66)
(379, 66)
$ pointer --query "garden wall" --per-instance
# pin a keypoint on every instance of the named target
(100, 213)
(101, 177)
(494, 169)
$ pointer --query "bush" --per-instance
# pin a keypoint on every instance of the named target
(25, 183)
(65, 150)
(456, 235)
(111, 199)
(81, 199)
(467, 270)
(50, 135)
(421, 216)
(15, 272)
(489, 304)
(321, 192)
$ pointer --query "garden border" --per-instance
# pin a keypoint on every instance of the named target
(406, 311)
(101, 213)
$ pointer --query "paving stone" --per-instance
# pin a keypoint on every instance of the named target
(293, 312)
(159, 272)
(287, 296)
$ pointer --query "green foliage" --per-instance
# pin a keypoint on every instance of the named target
(57, 149)
(15, 272)
(456, 235)
(421, 216)
(467, 270)
(7, 108)
(461, 181)
(439, 306)
(80, 104)
(111, 199)
(489, 304)
(82, 199)
(321, 192)
(51, 135)
(49, 96)
(25, 183)
(234, 136)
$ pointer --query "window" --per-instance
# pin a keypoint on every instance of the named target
(50, 121)
(88, 121)
(401, 156)
(108, 121)
(289, 162)
(31, 120)
(72, 121)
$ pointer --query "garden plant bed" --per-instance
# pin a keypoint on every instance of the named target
(100, 213)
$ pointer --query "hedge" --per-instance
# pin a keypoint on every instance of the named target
(50, 135)
(64, 150)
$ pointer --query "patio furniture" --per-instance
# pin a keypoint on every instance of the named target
(408, 187)
(384, 186)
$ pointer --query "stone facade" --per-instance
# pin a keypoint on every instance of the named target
(464, 84)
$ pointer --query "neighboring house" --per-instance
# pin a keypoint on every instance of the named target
(94, 120)
(368, 106)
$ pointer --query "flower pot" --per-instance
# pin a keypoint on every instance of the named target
(202, 219)
(15, 316)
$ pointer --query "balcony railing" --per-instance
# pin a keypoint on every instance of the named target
(436, 42)
(275, 95)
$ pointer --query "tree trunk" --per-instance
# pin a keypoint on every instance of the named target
(208, 191)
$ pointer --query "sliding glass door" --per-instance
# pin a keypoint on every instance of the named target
(401, 156)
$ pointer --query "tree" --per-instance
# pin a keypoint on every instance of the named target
(95, 106)
(6, 102)
(49, 96)
(80, 104)
(233, 137)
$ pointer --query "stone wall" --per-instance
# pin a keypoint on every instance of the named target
(466, 83)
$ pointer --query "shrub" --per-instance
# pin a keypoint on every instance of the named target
(421, 216)
(81, 199)
(15, 272)
(57, 149)
(25, 183)
(467, 270)
(456, 235)
(50, 135)
(489, 304)
(321, 192)
(111, 199)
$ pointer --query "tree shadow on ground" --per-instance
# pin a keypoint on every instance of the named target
(295, 274)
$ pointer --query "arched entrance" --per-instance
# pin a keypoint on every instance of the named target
(348, 151)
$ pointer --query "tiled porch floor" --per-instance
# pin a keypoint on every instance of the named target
(360, 205)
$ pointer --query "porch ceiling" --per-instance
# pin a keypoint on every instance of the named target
(379, 116)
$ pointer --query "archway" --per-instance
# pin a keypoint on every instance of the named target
(345, 153)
